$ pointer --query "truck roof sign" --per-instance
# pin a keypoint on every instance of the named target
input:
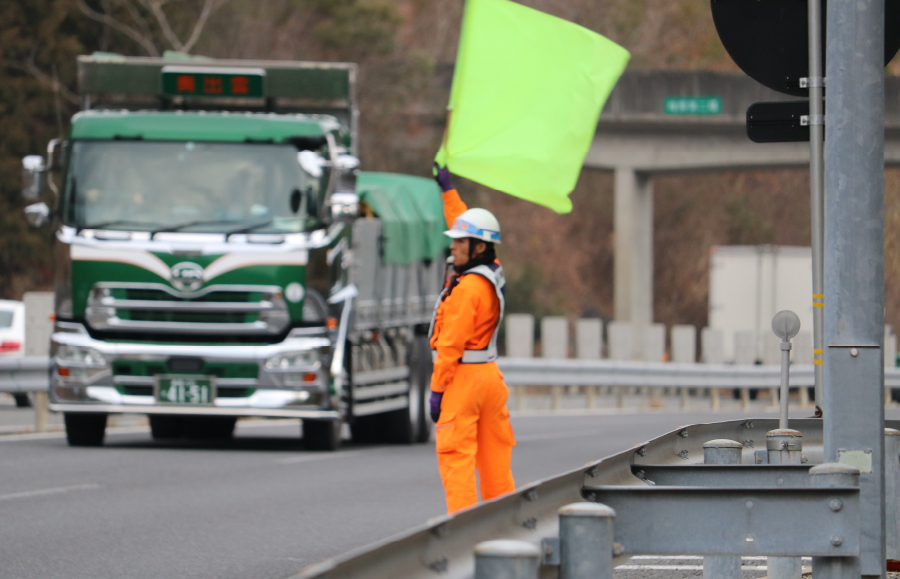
(188, 81)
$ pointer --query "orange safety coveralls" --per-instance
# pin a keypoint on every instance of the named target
(473, 431)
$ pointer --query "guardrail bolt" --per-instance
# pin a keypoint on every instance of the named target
(586, 541)
(506, 560)
(722, 451)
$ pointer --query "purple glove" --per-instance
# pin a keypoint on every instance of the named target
(435, 403)
(442, 176)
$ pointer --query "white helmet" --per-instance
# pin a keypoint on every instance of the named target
(477, 223)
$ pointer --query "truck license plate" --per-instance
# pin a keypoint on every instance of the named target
(185, 389)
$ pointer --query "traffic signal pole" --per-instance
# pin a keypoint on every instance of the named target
(854, 264)
(816, 84)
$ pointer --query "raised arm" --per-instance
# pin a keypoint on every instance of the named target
(453, 205)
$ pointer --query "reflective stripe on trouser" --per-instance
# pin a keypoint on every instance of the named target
(472, 356)
(474, 433)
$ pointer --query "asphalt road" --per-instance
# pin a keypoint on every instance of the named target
(259, 506)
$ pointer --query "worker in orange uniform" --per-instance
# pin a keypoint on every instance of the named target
(468, 395)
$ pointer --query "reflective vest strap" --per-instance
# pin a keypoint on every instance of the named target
(489, 354)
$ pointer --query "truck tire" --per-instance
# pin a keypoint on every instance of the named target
(164, 427)
(409, 425)
(85, 429)
(321, 434)
(208, 427)
(425, 368)
(22, 400)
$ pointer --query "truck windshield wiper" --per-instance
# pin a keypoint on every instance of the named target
(249, 228)
(106, 224)
(192, 224)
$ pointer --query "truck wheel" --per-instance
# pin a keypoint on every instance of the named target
(208, 427)
(85, 429)
(412, 424)
(424, 370)
(163, 427)
(321, 434)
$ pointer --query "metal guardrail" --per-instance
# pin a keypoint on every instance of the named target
(30, 374)
(567, 372)
(445, 545)
(24, 374)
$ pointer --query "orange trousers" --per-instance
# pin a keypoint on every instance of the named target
(474, 433)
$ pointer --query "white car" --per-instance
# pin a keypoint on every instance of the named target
(12, 336)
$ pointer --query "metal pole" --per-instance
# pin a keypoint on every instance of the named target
(586, 541)
(854, 274)
(722, 451)
(817, 192)
(785, 384)
(506, 560)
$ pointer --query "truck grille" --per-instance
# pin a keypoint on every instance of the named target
(159, 309)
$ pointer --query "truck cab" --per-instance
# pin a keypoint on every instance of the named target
(219, 255)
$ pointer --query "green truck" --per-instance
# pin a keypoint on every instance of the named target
(219, 255)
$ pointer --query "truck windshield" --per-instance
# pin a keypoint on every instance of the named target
(186, 186)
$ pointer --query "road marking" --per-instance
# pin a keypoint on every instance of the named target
(315, 457)
(684, 567)
(553, 435)
(44, 492)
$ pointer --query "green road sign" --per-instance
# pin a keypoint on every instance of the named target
(704, 105)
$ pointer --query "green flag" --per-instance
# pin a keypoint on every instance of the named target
(527, 93)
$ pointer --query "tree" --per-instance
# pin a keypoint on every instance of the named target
(147, 23)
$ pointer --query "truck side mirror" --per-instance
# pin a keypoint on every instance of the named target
(37, 214)
(32, 176)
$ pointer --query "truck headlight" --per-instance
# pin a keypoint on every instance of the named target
(305, 359)
(80, 356)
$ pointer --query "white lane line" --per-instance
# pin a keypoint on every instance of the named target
(44, 492)
(136, 430)
(683, 567)
(323, 456)
(694, 558)
(552, 435)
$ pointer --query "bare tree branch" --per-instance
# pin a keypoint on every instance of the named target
(155, 7)
(209, 6)
(31, 68)
(146, 43)
(137, 17)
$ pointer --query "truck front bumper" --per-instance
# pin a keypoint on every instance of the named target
(84, 379)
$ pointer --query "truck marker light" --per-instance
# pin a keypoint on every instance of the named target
(310, 377)
(63, 371)
(331, 323)
(10, 346)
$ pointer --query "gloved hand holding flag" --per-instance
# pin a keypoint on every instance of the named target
(527, 93)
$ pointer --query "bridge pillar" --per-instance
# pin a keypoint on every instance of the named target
(633, 259)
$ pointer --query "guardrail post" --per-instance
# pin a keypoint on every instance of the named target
(831, 475)
(586, 541)
(39, 401)
(722, 451)
(785, 446)
(506, 560)
(892, 492)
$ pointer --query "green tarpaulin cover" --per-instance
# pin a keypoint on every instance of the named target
(411, 212)
(527, 93)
